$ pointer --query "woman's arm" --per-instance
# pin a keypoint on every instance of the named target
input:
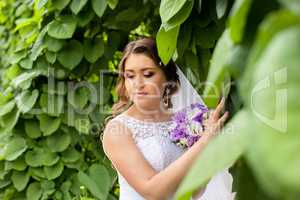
(120, 148)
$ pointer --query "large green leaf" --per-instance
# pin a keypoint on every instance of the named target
(8, 121)
(54, 171)
(293, 5)
(79, 98)
(18, 164)
(274, 23)
(62, 27)
(166, 43)
(112, 3)
(169, 8)
(238, 19)
(97, 181)
(48, 125)
(220, 154)
(77, 5)
(59, 141)
(26, 100)
(52, 104)
(7, 107)
(221, 6)
(99, 6)
(34, 191)
(20, 179)
(16, 147)
(218, 70)
(24, 80)
(273, 98)
(35, 157)
(70, 155)
(54, 44)
(180, 17)
(71, 55)
(32, 129)
(60, 4)
(93, 49)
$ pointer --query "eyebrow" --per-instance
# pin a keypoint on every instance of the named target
(143, 69)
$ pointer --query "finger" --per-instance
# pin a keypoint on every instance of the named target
(219, 108)
(224, 118)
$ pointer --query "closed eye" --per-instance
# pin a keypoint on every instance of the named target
(148, 75)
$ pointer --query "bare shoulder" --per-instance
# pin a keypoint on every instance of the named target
(122, 151)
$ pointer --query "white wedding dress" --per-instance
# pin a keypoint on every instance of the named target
(152, 140)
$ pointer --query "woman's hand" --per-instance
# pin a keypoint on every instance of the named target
(214, 123)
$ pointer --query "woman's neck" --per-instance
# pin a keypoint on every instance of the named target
(156, 115)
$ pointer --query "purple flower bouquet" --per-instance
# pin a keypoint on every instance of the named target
(188, 125)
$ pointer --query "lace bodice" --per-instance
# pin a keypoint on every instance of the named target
(153, 141)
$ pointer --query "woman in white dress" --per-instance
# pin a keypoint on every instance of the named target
(149, 165)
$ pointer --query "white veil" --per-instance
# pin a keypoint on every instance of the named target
(220, 185)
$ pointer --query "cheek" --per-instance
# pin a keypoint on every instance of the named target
(156, 85)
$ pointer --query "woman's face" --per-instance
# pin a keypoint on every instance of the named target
(144, 81)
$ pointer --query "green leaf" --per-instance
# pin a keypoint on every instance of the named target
(237, 19)
(93, 49)
(16, 147)
(35, 157)
(41, 3)
(8, 121)
(62, 27)
(26, 100)
(293, 5)
(82, 124)
(18, 164)
(32, 129)
(54, 44)
(77, 5)
(221, 6)
(34, 191)
(50, 57)
(79, 97)
(97, 181)
(54, 171)
(112, 3)
(166, 43)
(219, 155)
(52, 104)
(99, 7)
(24, 80)
(218, 71)
(6, 108)
(70, 155)
(59, 141)
(272, 25)
(180, 17)
(60, 4)
(48, 124)
(273, 98)
(50, 158)
(26, 63)
(20, 179)
(71, 54)
(169, 8)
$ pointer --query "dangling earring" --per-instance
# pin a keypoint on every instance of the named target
(166, 103)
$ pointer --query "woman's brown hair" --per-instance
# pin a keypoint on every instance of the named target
(146, 46)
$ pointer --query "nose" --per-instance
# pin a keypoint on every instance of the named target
(139, 82)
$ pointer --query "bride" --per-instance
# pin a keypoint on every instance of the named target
(136, 140)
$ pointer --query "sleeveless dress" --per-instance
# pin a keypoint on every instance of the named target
(153, 141)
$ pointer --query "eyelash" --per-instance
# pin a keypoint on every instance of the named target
(147, 75)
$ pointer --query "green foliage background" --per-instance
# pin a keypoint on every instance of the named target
(52, 51)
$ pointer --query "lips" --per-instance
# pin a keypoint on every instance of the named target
(141, 93)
